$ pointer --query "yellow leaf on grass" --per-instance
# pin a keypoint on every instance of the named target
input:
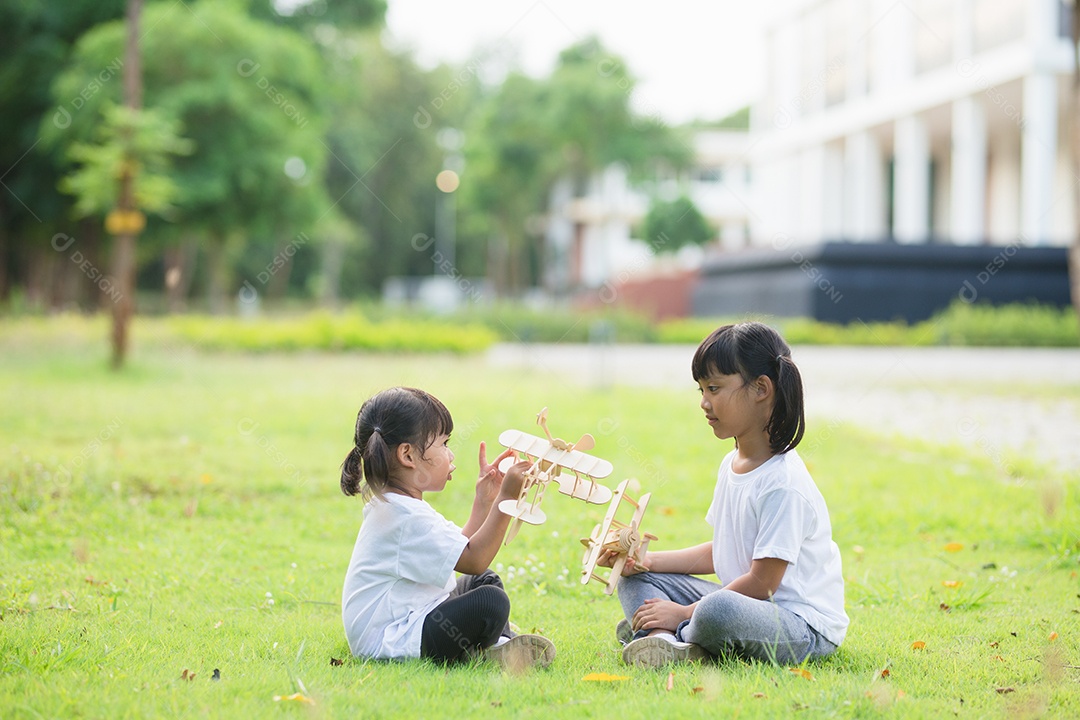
(954, 547)
(1053, 636)
(918, 645)
(952, 583)
(802, 672)
(604, 677)
(295, 697)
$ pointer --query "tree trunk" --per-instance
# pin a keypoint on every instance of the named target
(180, 261)
(124, 247)
(333, 258)
(1074, 113)
(217, 260)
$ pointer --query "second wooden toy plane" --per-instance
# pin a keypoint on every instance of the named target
(624, 539)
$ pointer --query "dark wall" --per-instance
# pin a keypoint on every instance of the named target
(842, 282)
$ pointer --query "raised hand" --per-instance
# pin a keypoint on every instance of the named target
(491, 479)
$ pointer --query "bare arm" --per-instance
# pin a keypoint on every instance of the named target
(696, 560)
(762, 580)
(484, 543)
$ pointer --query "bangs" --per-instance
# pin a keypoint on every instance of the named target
(717, 353)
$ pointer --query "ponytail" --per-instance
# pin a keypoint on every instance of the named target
(788, 420)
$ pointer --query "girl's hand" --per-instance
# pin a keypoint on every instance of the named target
(656, 614)
(515, 478)
(490, 480)
(631, 567)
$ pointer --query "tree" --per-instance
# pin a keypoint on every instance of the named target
(671, 225)
(531, 132)
(247, 94)
(36, 41)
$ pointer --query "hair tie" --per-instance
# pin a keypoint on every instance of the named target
(779, 359)
(376, 429)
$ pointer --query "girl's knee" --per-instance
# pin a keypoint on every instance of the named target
(493, 600)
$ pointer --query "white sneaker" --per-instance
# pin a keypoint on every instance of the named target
(659, 650)
(522, 652)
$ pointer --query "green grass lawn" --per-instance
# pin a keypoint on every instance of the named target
(185, 516)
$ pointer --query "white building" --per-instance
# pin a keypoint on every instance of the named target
(591, 236)
(917, 120)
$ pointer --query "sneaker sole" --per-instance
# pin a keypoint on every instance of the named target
(656, 652)
(522, 652)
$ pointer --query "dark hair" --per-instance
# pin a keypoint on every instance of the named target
(753, 349)
(392, 417)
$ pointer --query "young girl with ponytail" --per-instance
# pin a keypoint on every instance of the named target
(781, 592)
(400, 598)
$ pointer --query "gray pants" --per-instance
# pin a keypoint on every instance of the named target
(726, 623)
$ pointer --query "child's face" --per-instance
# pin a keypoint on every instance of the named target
(728, 405)
(434, 470)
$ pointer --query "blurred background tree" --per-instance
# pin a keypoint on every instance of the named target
(669, 225)
(313, 154)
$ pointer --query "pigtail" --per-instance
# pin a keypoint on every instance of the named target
(788, 420)
(352, 472)
(376, 465)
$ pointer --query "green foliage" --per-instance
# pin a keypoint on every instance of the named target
(516, 323)
(247, 94)
(671, 225)
(323, 331)
(960, 324)
(186, 516)
(1020, 324)
(139, 141)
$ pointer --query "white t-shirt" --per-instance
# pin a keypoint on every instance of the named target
(776, 511)
(402, 567)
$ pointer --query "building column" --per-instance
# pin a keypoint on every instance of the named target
(911, 183)
(864, 188)
(968, 171)
(1038, 153)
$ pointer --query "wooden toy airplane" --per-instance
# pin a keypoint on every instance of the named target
(550, 457)
(625, 540)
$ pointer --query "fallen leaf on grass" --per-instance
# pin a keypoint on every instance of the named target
(802, 672)
(670, 681)
(295, 697)
(994, 644)
(952, 583)
(918, 645)
(954, 547)
(944, 608)
(604, 677)
(218, 624)
(998, 658)
(1005, 690)
(187, 675)
(334, 662)
(760, 695)
(696, 690)
(1053, 636)
(884, 673)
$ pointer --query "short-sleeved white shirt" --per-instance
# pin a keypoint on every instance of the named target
(776, 511)
(402, 567)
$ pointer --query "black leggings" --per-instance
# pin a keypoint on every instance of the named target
(473, 617)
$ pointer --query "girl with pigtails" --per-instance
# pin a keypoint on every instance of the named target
(780, 597)
(401, 599)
